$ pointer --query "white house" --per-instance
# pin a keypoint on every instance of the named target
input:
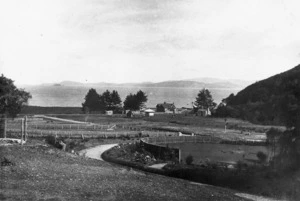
(149, 113)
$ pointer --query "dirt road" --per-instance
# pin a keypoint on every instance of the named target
(97, 151)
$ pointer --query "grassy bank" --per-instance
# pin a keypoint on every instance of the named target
(37, 171)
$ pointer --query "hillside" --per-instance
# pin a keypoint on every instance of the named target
(273, 100)
(193, 84)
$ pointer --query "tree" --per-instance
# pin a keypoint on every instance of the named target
(135, 101)
(130, 102)
(204, 100)
(141, 98)
(106, 101)
(11, 101)
(111, 101)
(116, 102)
(92, 101)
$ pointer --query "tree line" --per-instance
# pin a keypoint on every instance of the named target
(95, 102)
(111, 101)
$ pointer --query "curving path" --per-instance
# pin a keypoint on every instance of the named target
(96, 152)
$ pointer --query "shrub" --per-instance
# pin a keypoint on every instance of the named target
(261, 156)
(50, 139)
(72, 145)
(189, 160)
(240, 165)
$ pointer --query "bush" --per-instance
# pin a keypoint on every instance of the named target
(240, 165)
(261, 156)
(189, 160)
(72, 145)
(50, 139)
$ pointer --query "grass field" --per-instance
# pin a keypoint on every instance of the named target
(236, 129)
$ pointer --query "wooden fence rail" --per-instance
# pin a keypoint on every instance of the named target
(92, 134)
(64, 126)
(182, 139)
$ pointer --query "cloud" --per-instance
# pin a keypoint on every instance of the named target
(236, 39)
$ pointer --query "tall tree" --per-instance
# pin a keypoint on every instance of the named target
(204, 100)
(116, 101)
(92, 101)
(11, 101)
(106, 102)
(130, 103)
(141, 99)
(135, 101)
(110, 100)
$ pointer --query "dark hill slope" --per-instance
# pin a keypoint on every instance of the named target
(273, 100)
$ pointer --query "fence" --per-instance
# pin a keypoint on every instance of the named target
(157, 145)
(162, 152)
(90, 134)
(90, 127)
(65, 126)
(182, 139)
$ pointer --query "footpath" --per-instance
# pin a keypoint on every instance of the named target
(96, 152)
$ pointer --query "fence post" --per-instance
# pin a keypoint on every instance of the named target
(179, 156)
(25, 128)
(22, 130)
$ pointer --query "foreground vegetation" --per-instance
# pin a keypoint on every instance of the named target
(37, 171)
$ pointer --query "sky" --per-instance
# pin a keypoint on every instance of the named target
(118, 41)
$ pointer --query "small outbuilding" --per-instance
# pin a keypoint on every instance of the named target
(165, 107)
(109, 112)
(129, 113)
(203, 112)
(149, 113)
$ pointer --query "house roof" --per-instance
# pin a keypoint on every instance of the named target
(149, 111)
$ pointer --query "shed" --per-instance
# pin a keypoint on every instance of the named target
(165, 107)
(203, 112)
(109, 112)
(149, 113)
(129, 113)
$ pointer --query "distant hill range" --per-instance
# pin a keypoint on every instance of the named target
(180, 92)
(210, 83)
(268, 101)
